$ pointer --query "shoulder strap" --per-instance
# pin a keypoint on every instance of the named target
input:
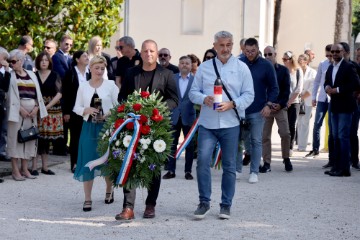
(297, 76)
(226, 91)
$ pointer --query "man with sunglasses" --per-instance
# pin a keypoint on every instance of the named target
(341, 80)
(62, 59)
(278, 112)
(50, 47)
(164, 60)
(131, 57)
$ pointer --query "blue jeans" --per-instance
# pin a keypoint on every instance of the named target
(256, 129)
(354, 139)
(321, 110)
(340, 127)
(207, 139)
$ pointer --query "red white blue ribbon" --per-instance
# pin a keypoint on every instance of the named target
(187, 139)
(130, 152)
(217, 156)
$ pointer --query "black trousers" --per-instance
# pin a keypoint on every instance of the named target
(153, 193)
(75, 125)
(293, 113)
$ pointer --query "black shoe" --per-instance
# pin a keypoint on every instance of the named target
(288, 165)
(109, 198)
(169, 175)
(48, 172)
(328, 165)
(340, 174)
(34, 172)
(246, 160)
(87, 206)
(356, 166)
(188, 176)
(312, 154)
(265, 168)
(1, 180)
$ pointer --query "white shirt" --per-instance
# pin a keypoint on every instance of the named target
(309, 77)
(296, 85)
(318, 93)
(335, 70)
(81, 77)
(108, 92)
(183, 84)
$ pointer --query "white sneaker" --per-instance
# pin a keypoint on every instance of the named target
(238, 175)
(253, 178)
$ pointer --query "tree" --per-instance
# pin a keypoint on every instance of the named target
(277, 14)
(355, 17)
(42, 19)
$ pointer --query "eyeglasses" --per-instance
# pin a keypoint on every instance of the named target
(68, 44)
(47, 47)
(12, 61)
(163, 55)
(268, 54)
(286, 59)
(209, 57)
(335, 51)
(119, 47)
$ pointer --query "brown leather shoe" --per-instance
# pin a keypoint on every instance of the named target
(126, 214)
(149, 212)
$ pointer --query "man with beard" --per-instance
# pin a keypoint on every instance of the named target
(164, 60)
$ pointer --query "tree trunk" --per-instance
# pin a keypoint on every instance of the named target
(277, 14)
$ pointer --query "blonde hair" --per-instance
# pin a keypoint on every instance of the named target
(293, 59)
(98, 59)
(92, 44)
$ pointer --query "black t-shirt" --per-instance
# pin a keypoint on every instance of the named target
(146, 79)
(124, 63)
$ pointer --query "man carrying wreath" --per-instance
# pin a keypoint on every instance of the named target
(155, 78)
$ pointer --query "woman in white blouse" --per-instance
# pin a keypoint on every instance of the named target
(96, 90)
(306, 97)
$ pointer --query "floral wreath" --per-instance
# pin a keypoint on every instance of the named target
(135, 141)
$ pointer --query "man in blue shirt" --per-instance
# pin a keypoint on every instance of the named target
(220, 125)
(266, 92)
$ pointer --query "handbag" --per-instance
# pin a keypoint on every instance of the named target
(25, 135)
(302, 108)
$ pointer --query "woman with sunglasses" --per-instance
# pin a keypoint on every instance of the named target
(209, 54)
(95, 49)
(296, 86)
(25, 101)
(78, 74)
(51, 127)
(306, 98)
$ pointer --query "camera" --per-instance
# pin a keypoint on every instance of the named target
(99, 116)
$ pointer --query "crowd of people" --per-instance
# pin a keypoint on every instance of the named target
(61, 92)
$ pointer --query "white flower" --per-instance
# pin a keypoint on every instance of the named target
(126, 140)
(142, 141)
(117, 143)
(145, 146)
(148, 141)
(107, 133)
(159, 146)
(142, 159)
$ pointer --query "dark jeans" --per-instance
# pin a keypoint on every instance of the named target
(75, 125)
(189, 152)
(153, 193)
(293, 113)
(321, 110)
(354, 140)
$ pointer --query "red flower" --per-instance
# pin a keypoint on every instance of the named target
(155, 112)
(145, 129)
(130, 125)
(137, 107)
(145, 94)
(118, 123)
(143, 119)
(157, 118)
(121, 108)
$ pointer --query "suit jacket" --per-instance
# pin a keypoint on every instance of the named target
(185, 108)
(61, 64)
(14, 99)
(163, 83)
(4, 85)
(70, 85)
(347, 82)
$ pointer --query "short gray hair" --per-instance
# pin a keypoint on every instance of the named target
(222, 34)
(18, 54)
(128, 41)
(4, 52)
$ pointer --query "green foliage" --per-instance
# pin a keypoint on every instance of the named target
(42, 19)
(355, 17)
(140, 174)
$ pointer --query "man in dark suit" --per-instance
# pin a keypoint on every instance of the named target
(155, 78)
(341, 81)
(182, 118)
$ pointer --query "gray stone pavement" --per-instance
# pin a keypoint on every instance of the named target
(303, 204)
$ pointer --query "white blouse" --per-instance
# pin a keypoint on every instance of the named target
(108, 92)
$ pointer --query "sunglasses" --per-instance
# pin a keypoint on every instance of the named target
(47, 47)
(12, 61)
(209, 57)
(163, 55)
(268, 54)
(68, 44)
(119, 47)
(286, 59)
(335, 51)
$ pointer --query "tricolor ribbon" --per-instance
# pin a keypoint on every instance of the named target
(130, 152)
(217, 156)
(187, 139)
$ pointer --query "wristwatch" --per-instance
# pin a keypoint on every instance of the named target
(234, 104)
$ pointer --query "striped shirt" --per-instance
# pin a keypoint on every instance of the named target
(26, 86)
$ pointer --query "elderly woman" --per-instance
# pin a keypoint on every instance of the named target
(296, 85)
(95, 49)
(96, 90)
(306, 98)
(78, 74)
(25, 101)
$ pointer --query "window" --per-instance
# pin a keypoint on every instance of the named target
(192, 16)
